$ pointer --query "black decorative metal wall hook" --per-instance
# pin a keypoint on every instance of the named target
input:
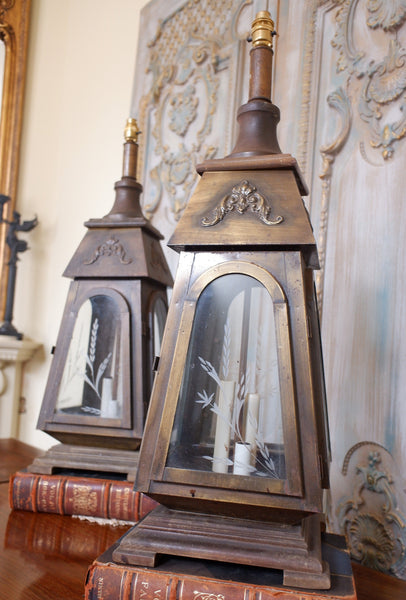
(16, 246)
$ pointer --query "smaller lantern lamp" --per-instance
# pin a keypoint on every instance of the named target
(101, 374)
(236, 441)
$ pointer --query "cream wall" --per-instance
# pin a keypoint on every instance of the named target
(78, 92)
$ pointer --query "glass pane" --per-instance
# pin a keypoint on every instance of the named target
(228, 417)
(92, 382)
(159, 318)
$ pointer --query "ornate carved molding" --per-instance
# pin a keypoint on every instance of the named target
(374, 86)
(341, 103)
(383, 81)
(388, 15)
(5, 5)
(187, 54)
(369, 515)
(244, 196)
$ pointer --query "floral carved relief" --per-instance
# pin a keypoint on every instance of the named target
(381, 102)
(186, 58)
(369, 514)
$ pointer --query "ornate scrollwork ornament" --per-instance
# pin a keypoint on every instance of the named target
(371, 518)
(110, 247)
(243, 197)
(387, 14)
(384, 81)
(5, 6)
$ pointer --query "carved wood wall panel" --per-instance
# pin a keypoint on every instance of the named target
(352, 77)
(340, 82)
(190, 67)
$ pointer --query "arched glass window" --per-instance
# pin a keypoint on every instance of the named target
(231, 386)
(92, 379)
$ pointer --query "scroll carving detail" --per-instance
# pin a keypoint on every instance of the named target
(370, 516)
(383, 80)
(111, 247)
(243, 196)
(341, 103)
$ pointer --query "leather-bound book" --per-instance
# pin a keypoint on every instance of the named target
(73, 495)
(192, 579)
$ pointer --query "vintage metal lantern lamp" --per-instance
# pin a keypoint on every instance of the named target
(236, 441)
(101, 375)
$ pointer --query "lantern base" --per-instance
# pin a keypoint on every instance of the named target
(294, 549)
(86, 458)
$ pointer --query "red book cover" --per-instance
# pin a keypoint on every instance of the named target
(72, 495)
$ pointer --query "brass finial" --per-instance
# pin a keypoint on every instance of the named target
(131, 131)
(262, 30)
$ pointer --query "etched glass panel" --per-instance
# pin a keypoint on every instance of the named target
(228, 417)
(92, 381)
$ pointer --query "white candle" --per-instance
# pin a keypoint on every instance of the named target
(223, 423)
(251, 421)
(108, 405)
(241, 459)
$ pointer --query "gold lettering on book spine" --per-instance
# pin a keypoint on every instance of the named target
(47, 496)
(122, 501)
(146, 593)
(206, 596)
(100, 588)
(84, 499)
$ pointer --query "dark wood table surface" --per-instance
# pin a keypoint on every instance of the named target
(46, 557)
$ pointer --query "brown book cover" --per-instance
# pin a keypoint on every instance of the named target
(73, 495)
(192, 579)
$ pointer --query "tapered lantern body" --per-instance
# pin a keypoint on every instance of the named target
(236, 441)
(101, 375)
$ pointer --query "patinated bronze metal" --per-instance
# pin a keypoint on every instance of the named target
(101, 375)
(236, 445)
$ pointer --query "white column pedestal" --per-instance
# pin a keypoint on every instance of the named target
(13, 353)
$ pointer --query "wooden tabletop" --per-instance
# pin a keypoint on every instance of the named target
(46, 557)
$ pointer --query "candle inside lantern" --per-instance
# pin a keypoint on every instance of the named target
(251, 422)
(108, 405)
(242, 458)
(223, 423)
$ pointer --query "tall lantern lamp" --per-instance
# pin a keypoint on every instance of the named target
(236, 445)
(101, 374)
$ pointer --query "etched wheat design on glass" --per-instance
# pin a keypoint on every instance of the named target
(262, 463)
(92, 376)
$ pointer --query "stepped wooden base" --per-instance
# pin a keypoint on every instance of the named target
(294, 549)
(85, 458)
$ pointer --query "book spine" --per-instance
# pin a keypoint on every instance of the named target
(114, 582)
(77, 496)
